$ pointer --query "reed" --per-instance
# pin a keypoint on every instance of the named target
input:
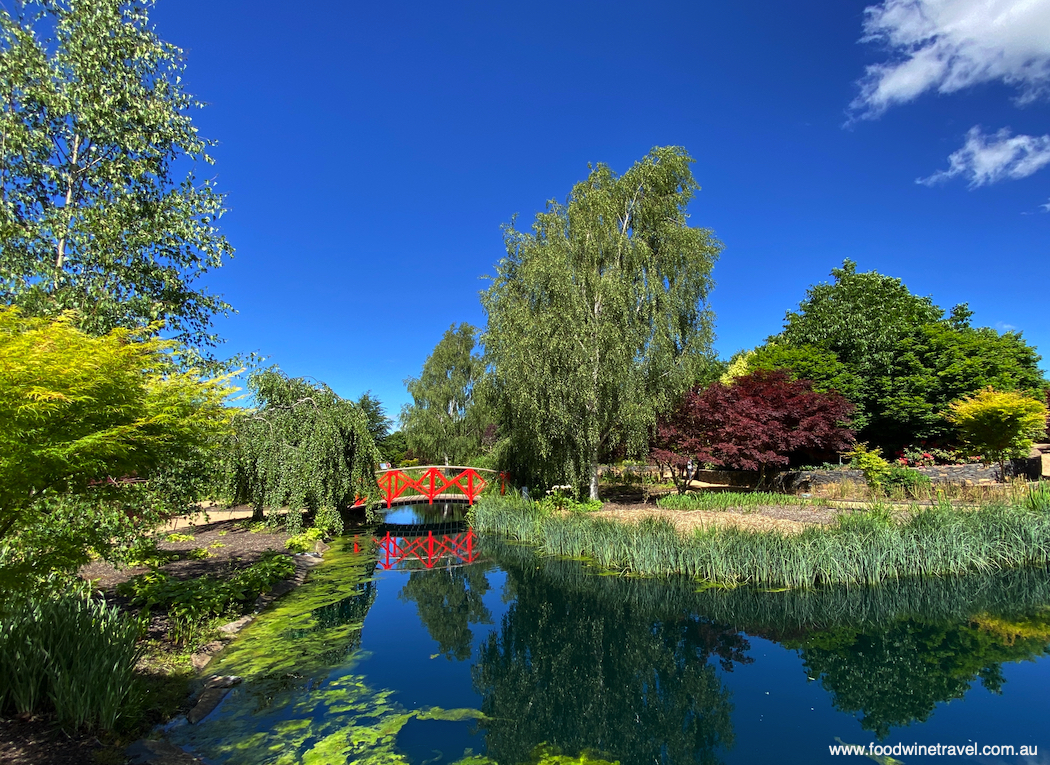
(865, 547)
(721, 501)
(68, 655)
(758, 610)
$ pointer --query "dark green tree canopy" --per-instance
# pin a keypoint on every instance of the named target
(860, 317)
(597, 319)
(100, 208)
(301, 447)
(895, 356)
(939, 363)
(445, 422)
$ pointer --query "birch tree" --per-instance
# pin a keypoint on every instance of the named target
(444, 422)
(100, 207)
(597, 319)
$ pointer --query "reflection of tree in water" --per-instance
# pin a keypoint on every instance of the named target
(591, 667)
(896, 675)
(449, 601)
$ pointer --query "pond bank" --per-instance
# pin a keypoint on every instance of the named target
(857, 548)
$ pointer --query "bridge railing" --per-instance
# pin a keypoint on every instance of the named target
(434, 481)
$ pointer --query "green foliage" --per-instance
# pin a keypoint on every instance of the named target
(870, 462)
(726, 500)
(190, 602)
(906, 482)
(89, 430)
(176, 537)
(596, 319)
(445, 422)
(809, 362)
(860, 318)
(894, 356)
(561, 499)
(305, 541)
(863, 548)
(70, 656)
(999, 424)
(302, 447)
(96, 215)
(939, 363)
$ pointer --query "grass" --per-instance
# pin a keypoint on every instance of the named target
(865, 547)
(721, 501)
(71, 655)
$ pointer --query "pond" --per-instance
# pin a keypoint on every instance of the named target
(420, 642)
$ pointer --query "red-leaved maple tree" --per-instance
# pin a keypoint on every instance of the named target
(760, 420)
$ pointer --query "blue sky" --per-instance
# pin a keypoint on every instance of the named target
(370, 153)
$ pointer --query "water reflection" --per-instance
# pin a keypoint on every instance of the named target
(640, 670)
(597, 669)
(448, 601)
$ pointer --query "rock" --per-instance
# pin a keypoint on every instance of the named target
(210, 698)
(321, 547)
(158, 752)
(232, 628)
(222, 681)
(201, 658)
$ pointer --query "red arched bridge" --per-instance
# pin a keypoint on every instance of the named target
(425, 545)
(449, 483)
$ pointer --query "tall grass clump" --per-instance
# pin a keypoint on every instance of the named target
(728, 500)
(67, 655)
(865, 547)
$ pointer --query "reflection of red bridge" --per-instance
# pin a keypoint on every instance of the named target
(409, 484)
(406, 549)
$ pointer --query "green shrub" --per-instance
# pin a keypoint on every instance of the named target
(305, 541)
(560, 498)
(910, 483)
(191, 602)
(870, 462)
(68, 655)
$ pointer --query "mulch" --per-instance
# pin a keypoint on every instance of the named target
(230, 546)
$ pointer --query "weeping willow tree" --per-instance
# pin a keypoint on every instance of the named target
(303, 448)
(597, 319)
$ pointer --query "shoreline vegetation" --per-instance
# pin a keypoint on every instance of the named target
(860, 547)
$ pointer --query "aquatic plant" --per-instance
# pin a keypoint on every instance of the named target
(861, 548)
(70, 655)
(301, 700)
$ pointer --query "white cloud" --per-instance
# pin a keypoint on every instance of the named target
(1046, 207)
(990, 158)
(948, 45)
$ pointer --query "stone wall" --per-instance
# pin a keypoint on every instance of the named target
(959, 475)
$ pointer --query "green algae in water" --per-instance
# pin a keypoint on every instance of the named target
(301, 701)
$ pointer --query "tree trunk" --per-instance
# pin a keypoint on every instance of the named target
(257, 514)
(594, 478)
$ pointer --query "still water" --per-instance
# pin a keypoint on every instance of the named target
(419, 642)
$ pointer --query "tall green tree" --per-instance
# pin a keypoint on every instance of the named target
(302, 447)
(940, 363)
(445, 421)
(101, 210)
(860, 317)
(597, 319)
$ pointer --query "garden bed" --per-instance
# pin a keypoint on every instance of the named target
(167, 667)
